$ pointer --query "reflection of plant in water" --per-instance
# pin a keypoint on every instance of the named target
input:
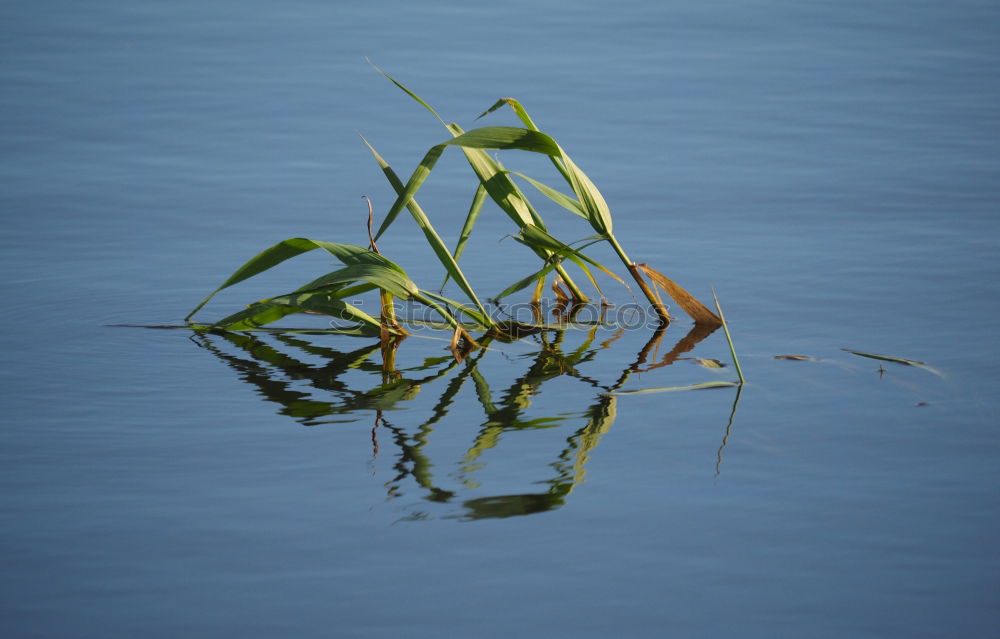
(267, 360)
(279, 376)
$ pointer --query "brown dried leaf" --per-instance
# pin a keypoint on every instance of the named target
(562, 297)
(698, 311)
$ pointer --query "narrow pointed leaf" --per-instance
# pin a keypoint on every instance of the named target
(526, 282)
(409, 190)
(394, 180)
(407, 91)
(344, 293)
(507, 137)
(470, 221)
(593, 202)
(509, 198)
(586, 271)
(437, 244)
(498, 185)
(270, 310)
(387, 279)
(729, 338)
(522, 115)
(502, 191)
(502, 137)
(530, 139)
(287, 249)
(897, 360)
(534, 236)
(257, 314)
(563, 200)
(516, 107)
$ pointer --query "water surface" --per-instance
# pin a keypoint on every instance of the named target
(830, 169)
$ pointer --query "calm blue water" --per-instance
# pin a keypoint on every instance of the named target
(830, 168)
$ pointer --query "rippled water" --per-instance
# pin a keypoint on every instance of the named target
(829, 168)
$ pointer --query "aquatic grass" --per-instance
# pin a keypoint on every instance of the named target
(492, 178)
(531, 234)
(365, 269)
(493, 181)
(591, 206)
(444, 256)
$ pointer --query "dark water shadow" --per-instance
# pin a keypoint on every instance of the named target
(309, 383)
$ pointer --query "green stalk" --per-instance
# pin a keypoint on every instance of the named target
(571, 285)
(725, 327)
(388, 316)
(661, 310)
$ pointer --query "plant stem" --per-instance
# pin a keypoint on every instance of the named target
(725, 327)
(388, 315)
(573, 288)
(661, 310)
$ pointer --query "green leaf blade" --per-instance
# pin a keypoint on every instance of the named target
(563, 200)
(271, 310)
(897, 360)
(405, 198)
(286, 250)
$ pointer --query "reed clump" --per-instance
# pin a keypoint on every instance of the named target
(364, 269)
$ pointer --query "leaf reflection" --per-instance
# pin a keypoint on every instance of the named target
(315, 385)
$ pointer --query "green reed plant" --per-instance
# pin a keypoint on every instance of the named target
(586, 202)
(366, 269)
